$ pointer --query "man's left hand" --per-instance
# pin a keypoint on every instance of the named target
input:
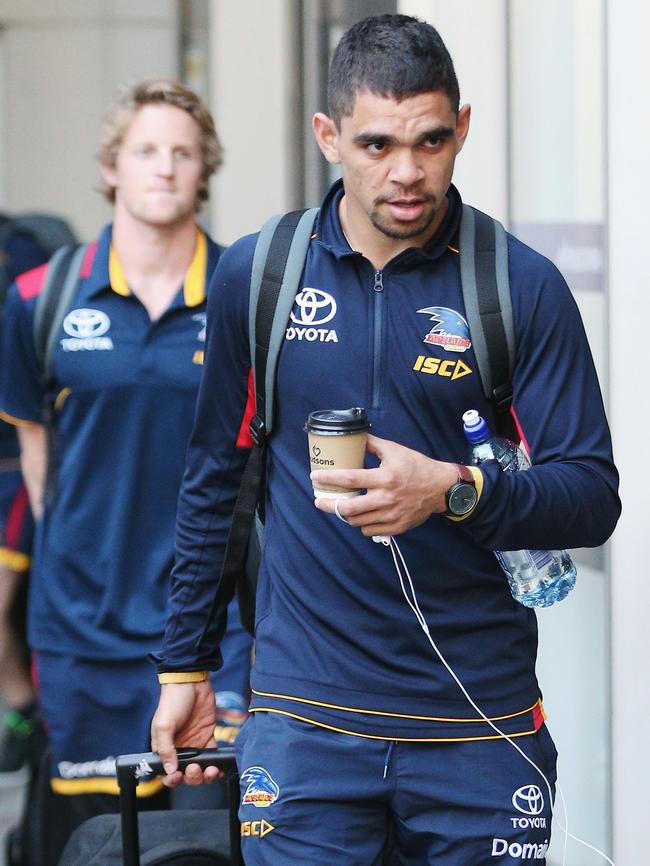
(403, 491)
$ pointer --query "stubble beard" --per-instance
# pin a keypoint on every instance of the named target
(397, 232)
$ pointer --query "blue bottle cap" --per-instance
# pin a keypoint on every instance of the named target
(475, 428)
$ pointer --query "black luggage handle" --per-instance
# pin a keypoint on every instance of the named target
(130, 769)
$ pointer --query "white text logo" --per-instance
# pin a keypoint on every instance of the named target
(86, 323)
(86, 329)
(314, 307)
(528, 800)
(102, 767)
(518, 850)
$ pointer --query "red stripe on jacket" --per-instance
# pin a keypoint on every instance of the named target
(244, 438)
(16, 519)
(30, 284)
(89, 258)
(520, 432)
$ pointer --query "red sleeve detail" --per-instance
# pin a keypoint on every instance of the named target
(16, 519)
(34, 672)
(88, 261)
(522, 439)
(244, 438)
(538, 716)
(31, 282)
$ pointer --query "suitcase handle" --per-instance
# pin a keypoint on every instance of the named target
(131, 768)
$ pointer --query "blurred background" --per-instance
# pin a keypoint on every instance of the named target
(557, 151)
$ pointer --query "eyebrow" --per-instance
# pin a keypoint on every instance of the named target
(366, 138)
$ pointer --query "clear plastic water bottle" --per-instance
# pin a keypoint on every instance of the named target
(537, 578)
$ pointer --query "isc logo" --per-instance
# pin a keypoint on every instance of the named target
(256, 828)
(449, 369)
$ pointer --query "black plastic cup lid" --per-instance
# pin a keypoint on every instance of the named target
(353, 420)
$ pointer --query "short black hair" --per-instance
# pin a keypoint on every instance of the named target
(394, 56)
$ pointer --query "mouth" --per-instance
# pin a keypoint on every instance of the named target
(406, 208)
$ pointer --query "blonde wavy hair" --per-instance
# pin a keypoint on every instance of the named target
(159, 91)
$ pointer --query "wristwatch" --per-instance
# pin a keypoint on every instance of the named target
(462, 496)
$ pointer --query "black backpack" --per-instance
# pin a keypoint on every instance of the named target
(278, 263)
(47, 231)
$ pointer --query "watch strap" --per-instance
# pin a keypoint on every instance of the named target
(465, 474)
(471, 475)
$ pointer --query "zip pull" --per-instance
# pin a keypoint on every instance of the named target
(379, 282)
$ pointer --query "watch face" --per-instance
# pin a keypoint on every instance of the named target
(461, 498)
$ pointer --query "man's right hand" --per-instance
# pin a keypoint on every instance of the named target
(186, 716)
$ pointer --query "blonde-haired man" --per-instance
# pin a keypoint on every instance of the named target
(126, 370)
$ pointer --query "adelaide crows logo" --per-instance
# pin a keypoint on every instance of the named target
(450, 330)
(261, 790)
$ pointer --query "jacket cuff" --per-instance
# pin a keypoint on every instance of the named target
(183, 677)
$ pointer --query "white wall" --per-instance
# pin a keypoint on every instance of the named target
(253, 86)
(557, 88)
(62, 61)
(629, 276)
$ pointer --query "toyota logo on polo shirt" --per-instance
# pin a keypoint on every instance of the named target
(528, 800)
(314, 308)
(85, 323)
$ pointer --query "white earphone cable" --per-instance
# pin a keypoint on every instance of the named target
(411, 599)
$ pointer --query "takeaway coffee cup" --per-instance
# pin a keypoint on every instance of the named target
(337, 440)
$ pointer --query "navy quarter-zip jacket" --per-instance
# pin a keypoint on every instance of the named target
(336, 643)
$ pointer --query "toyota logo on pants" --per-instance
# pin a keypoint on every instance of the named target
(528, 800)
(314, 307)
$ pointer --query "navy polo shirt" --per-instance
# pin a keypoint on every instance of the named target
(125, 394)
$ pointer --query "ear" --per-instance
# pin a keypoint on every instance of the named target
(327, 137)
(462, 125)
(108, 174)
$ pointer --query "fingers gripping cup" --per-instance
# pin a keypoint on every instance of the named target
(337, 440)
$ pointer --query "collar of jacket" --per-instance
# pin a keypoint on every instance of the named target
(329, 233)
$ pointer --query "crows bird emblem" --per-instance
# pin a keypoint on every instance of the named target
(450, 330)
(261, 790)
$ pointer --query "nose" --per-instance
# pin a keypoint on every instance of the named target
(405, 169)
(165, 164)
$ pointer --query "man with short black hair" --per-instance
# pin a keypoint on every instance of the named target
(355, 722)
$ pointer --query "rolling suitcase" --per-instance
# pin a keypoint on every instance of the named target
(176, 837)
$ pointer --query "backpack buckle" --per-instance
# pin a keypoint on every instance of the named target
(502, 396)
(258, 431)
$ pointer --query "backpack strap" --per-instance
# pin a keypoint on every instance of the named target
(488, 305)
(278, 263)
(52, 305)
(62, 276)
